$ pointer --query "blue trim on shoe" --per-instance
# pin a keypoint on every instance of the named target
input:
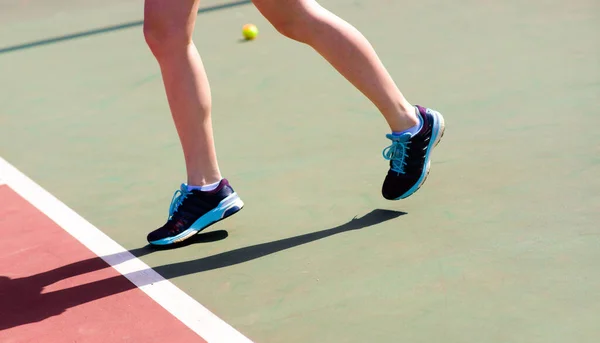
(226, 207)
(438, 125)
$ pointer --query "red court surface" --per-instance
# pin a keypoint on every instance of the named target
(54, 289)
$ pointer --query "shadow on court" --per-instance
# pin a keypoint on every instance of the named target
(23, 302)
(110, 29)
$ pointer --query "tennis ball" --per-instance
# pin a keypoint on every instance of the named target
(250, 31)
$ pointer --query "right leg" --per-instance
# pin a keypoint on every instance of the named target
(206, 198)
(168, 27)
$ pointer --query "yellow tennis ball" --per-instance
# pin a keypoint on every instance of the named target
(250, 31)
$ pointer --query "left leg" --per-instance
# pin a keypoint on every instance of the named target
(415, 130)
(346, 49)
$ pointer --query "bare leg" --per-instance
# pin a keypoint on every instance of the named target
(346, 49)
(168, 27)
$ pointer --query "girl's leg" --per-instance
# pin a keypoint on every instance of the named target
(168, 27)
(415, 130)
(206, 198)
(346, 49)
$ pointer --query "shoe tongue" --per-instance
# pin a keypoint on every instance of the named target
(404, 137)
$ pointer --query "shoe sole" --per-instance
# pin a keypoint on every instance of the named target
(438, 133)
(226, 208)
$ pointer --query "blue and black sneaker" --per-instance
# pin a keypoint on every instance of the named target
(193, 211)
(409, 156)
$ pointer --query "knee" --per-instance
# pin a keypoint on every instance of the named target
(164, 35)
(292, 18)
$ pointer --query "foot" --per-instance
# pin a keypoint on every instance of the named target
(193, 211)
(409, 156)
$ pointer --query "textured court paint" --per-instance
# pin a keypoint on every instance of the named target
(195, 316)
(500, 245)
(54, 289)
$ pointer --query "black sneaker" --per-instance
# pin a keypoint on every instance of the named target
(409, 156)
(193, 211)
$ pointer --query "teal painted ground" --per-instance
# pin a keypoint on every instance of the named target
(500, 245)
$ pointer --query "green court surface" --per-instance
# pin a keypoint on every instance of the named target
(502, 244)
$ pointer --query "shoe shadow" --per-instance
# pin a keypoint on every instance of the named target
(204, 237)
(23, 301)
(253, 252)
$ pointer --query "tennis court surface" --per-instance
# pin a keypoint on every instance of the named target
(502, 243)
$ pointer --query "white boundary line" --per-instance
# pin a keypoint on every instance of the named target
(191, 313)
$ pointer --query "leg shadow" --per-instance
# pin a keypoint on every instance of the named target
(246, 254)
(22, 301)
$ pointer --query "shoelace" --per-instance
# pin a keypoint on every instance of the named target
(177, 200)
(397, 153)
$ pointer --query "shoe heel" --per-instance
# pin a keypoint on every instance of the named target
(442, 130)
(233, 208)
(231, 211)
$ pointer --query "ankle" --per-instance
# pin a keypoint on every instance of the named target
(203, 181)
(204, 188)
(405, 118)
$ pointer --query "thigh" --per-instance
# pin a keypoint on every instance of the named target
(171, 14)
(278, 8)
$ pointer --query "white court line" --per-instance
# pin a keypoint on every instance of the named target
(185, 308)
